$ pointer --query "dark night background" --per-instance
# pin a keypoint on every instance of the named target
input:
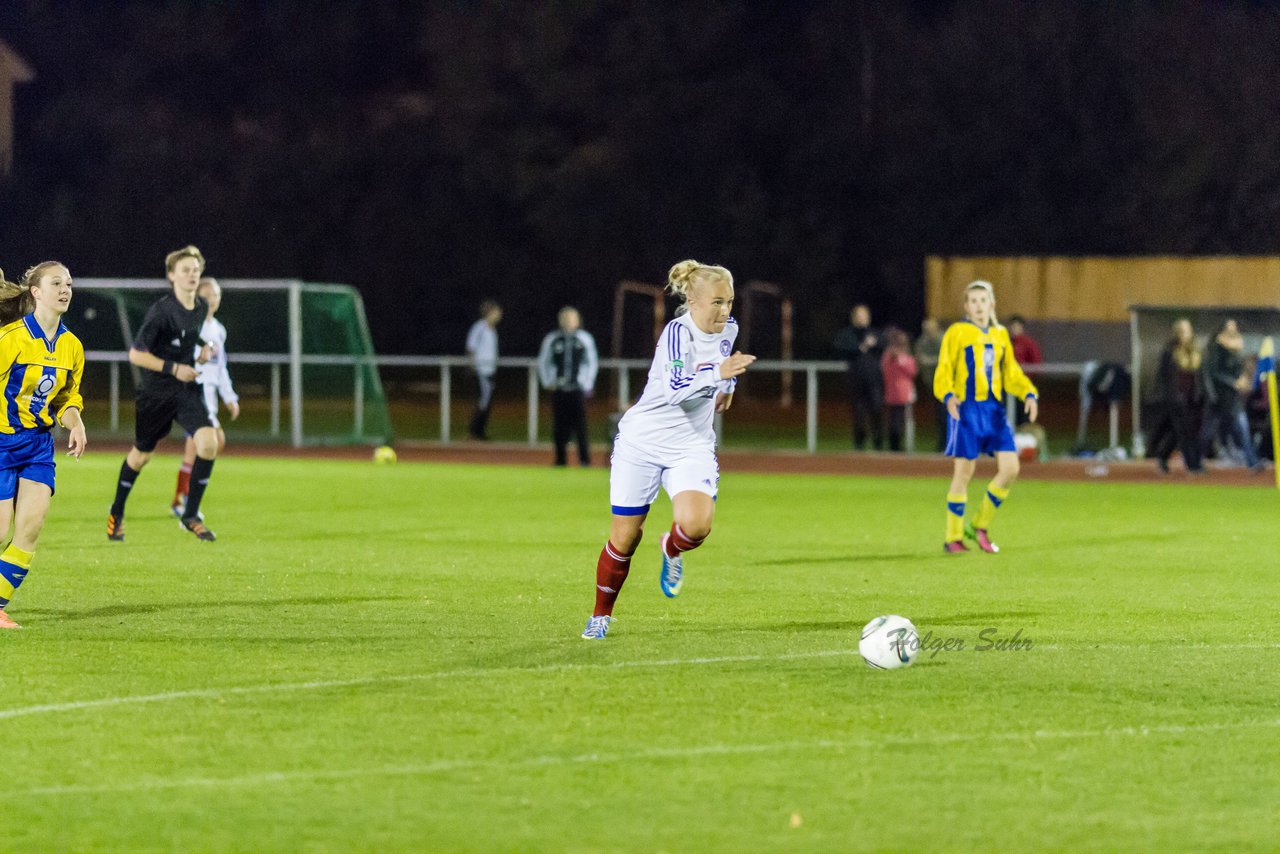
(433, 154)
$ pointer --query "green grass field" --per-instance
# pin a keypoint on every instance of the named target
(387, 658)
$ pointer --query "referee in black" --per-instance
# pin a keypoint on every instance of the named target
(567, 366)
(166, 349)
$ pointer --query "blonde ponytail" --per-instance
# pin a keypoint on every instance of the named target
(15, 300)
(685, 276)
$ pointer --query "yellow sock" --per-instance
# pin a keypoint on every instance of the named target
(955, 516)
(14, 564)
(990, 504)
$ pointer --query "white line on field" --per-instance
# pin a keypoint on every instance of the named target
(284, 687)
(657, 753)
(215, 693)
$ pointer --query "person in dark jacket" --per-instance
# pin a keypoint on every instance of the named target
(1179, 394)
(859, 344)
(1225, 381)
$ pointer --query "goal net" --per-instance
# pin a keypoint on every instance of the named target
(300, 356)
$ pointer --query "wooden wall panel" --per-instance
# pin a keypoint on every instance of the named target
(1101, 289)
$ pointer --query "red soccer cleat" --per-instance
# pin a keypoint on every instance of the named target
(6, 622)
(954, 547)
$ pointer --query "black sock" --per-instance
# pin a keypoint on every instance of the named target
(123, 486)
(200, 471)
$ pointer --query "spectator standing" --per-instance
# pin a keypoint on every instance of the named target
(567, 366)
(482, 347)
(1225, 381)
(899, 370)
(1178, 394)
(859, 345)
(926, 351)
(1027, 351)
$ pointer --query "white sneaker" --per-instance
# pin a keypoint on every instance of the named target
(597, 628)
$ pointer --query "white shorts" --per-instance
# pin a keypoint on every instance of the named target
(635, 476)
(211, 403)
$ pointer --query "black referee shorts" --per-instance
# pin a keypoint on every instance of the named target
(157, 411)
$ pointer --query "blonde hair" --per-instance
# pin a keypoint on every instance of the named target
(685, 276)
(207, 283)
(16, 300)
(981, 285)
(1187, 355)
(171, 260)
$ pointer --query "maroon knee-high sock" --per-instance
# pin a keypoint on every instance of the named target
(679, 542)
(184, 484)
(611, 572)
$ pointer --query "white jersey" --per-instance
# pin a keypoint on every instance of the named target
(675, 411)
(482, 344)
(214, 372)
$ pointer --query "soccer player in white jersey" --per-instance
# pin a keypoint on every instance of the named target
(215, 382)
(666, 440)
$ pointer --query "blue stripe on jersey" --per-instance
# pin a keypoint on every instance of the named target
(970, 381)
(11, 391)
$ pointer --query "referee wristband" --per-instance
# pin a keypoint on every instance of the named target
(168, 367)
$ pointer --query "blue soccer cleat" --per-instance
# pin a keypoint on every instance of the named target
(597, 628)
(672, 571)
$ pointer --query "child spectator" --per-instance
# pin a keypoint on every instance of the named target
(899, 369)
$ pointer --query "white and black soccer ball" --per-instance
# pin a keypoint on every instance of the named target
(889, 642)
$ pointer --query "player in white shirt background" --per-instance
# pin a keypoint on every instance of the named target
(667, 439)
(482, 347)
(215, 382)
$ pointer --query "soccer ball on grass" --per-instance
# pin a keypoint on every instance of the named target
(889, 642)
(384, 455)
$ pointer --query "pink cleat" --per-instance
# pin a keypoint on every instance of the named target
(979, 536)
(6, 622)
(954, 547)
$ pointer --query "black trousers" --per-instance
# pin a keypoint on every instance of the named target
(1175, 428)
(569, 419)
(479, 426)
(866, 400)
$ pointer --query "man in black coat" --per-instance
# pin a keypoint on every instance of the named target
(859, 344)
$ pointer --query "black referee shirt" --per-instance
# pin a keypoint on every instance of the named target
(170, 332)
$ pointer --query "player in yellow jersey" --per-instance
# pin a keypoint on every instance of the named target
(41, 365)
(976, 367)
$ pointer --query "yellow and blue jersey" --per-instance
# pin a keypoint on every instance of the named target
(977, 364)
(41, 376)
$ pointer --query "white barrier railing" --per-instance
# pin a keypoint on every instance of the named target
(446, 365)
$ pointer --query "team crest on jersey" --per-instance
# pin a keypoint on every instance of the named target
(724, 346)
(42, 389)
